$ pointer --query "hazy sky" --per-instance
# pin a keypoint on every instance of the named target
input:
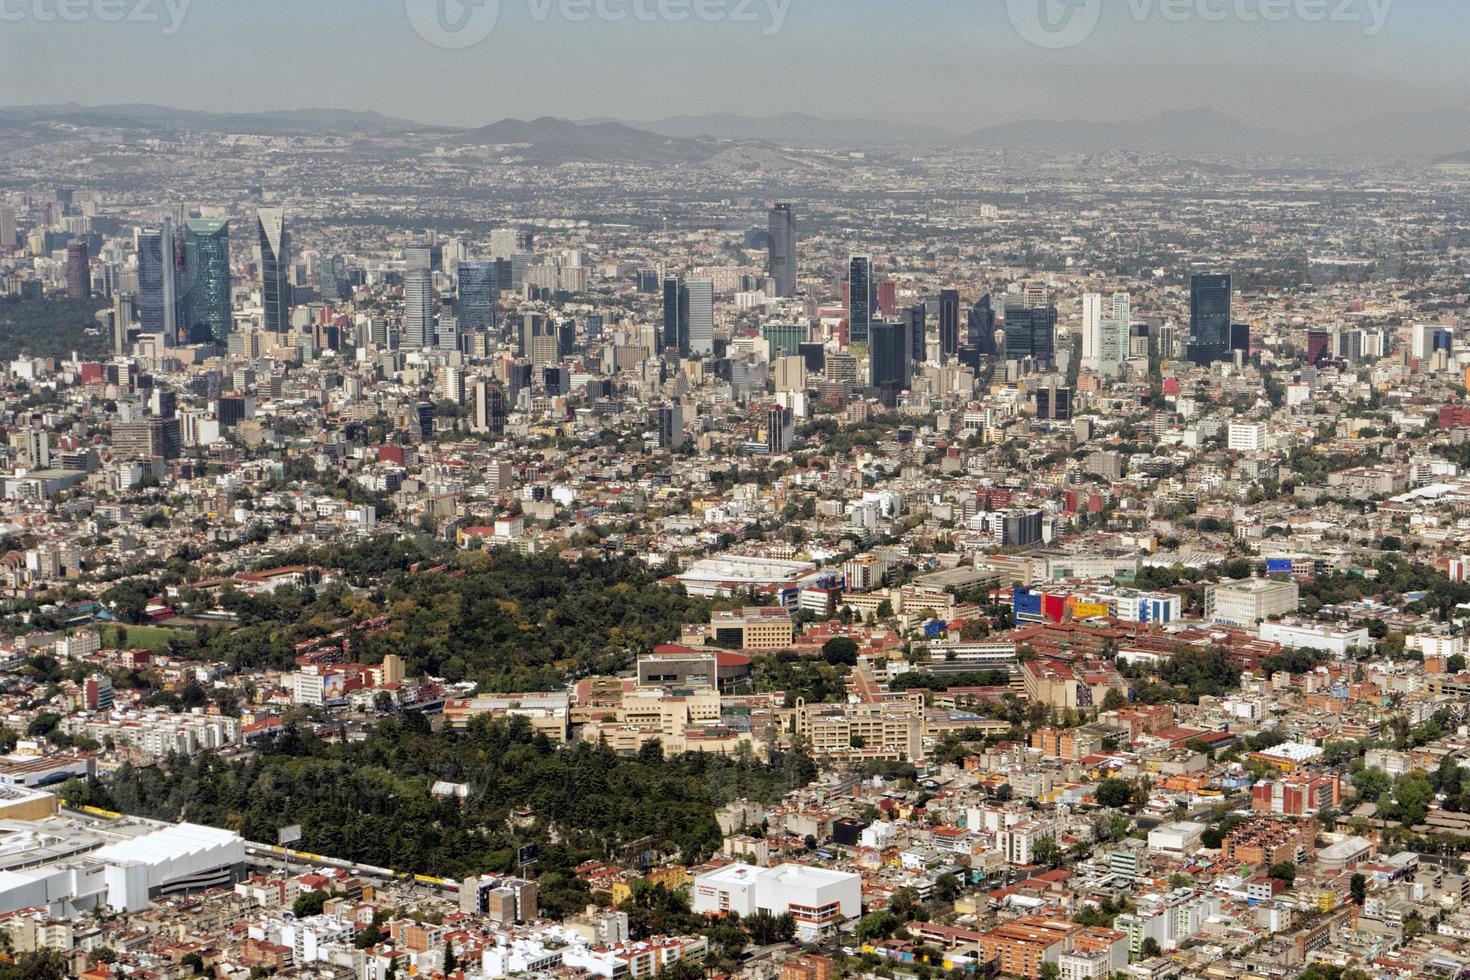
(956, 63)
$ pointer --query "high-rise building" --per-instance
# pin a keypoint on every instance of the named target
(982, 326)
(1054, 403)
(949, 323)
(489, 407)
(782, 249)
(446, 333)
(478, 291)
(701, 301)
(815, 355)
(1209, 318)
(675, 334)
(207, 304)
(418, 309)
(670, 426)
(783, 338)
(780, 430)
(1105, 331)
(1030, 331)
(918, 318)
(8, 229)
(859, 299)
(540, 341)
(158, 281)
(78, 271)
(420, 255)
(1319, 346)
(885, 293)
(124, 311)
(889, 349)
(275, 268)
(508, 242)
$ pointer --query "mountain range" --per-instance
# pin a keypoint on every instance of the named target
(690, 139)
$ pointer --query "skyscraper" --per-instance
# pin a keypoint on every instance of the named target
(207, 275)
(982, 326)
(418, 309)
(782, 249)
(275, 268)
(889, 348)
(159, 309)
(539, 340)
(8, 229)
(676, 317)
(1031, 332)
(783, 339)
(949, 322)
(1105, 325)
(700, 295)
(859, 299)
(670, 420)
(123, 309)
(919, 333)
(78, 271)
(1209, 318)
(478, 291)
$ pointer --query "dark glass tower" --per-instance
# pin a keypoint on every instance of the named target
(949, 322)
(859, 299)
(889, 348)
(982, 326)
(1209, 318)
(159, 307)
(918, 333)
(676, 316)
(275, 268)
(78, 271)
(478, 290)
(783, 249)
(1031, 332)
(207, 265)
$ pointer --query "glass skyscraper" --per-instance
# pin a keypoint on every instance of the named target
(1209, 318)
(859, 299)
(949, 322)
(783, 249)
(1031, 332)
(784, 339)
(889, 348)
(478, 291)
(158, 281)
(207, 265)
(418, 309)
(919, 333)
(275, 268)
(700, 302)
(676, 317)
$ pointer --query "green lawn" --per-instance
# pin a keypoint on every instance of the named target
(152, 638)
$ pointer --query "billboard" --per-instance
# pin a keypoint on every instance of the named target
(1279, 566)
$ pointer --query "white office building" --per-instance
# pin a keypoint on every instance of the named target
(816, 897)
